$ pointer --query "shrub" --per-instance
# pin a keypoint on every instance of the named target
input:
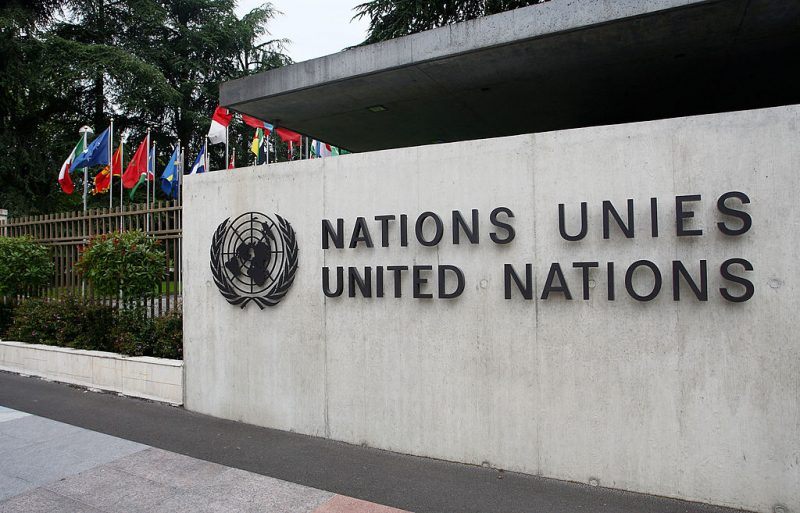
(169, 335)
(130, 263)
(80, 324)
(70, 322)
(24, 266)
(6, 316)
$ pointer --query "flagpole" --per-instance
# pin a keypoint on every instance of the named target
(178, 172)
(111, 165)
(121, 160)
(85, 173)
(147, 170)
(226, 148)
(205, 156)
(180, 184)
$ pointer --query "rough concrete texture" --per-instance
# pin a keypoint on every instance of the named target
(688, 399)
(158, 379)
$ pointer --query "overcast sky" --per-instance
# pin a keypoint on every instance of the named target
(316, 27)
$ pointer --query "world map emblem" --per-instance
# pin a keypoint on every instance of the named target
(254, 258)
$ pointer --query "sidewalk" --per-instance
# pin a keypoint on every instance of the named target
(89, 451)
(49, 466)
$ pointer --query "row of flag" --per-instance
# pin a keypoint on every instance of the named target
(141, 168)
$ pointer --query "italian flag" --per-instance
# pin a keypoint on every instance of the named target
(64, 179)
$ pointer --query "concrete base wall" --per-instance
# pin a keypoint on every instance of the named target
(692, 399)
(158, 379)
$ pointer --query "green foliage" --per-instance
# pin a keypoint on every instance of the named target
(133, 332)
(147, 63)
(24, 266)
(128, 263)
(79, 324)
(396, 18)
(6, 315)
(67, 323)
(168, 340)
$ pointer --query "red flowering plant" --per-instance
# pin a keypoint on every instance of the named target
(130, 264)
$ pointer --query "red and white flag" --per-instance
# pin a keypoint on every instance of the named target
(219, 124)
(64, 179)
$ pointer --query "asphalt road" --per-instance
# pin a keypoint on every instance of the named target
(411, 483)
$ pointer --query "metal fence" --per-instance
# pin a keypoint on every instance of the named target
(67, 232)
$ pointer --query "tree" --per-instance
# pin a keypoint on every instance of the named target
(396, 18)
(147, 63)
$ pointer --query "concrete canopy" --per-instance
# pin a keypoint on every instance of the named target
(562, 64)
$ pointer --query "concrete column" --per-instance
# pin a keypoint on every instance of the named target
(3, 221)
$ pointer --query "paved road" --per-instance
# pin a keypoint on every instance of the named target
(405, 482)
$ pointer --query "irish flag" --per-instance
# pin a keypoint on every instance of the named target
(64, 179)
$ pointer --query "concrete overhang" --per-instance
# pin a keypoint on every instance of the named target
(562, 64)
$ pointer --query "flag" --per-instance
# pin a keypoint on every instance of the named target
(102, 180)
(287, 135)
(171, 177)
(258, 137)
(199, 165)
(148, 174)
(257, 147)
(232, 163)
(256, 123)
(219, 122)
(321, 149)
(96, 154)
(64, 179)
(136, 167)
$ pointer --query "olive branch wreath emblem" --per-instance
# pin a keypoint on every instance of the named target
(282, 282)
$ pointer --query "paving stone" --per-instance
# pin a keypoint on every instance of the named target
(97, 448)
(185, 502)
(8, 442)
(7, 414)
(42, 462)
(40, 500)
(113, 490)
(170, 468)
(342, 504)
(248, 492)
(36, 429)
(11, 486)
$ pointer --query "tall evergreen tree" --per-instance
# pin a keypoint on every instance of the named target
(396, 18)
(147, 63)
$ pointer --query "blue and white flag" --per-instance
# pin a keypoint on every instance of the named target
(199, 165)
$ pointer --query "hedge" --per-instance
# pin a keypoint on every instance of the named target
(73, 322)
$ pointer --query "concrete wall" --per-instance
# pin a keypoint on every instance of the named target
(158, 379)
(691, 399)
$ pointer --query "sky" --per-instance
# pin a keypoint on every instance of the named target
(315, 27)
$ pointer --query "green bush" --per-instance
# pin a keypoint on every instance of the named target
(129, 263)
(169, 335)
(80, 324)
(70, 322)
(6, 316)
(24, 266)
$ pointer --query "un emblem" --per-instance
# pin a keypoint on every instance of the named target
(254, 258)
